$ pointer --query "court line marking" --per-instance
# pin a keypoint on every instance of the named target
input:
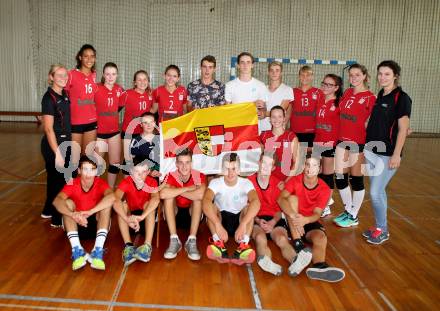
(42, 307)
(5, 181)
(403, 217)
(358, 280)
(385, 299)
(401, 195)
(19, 185)
(254, 288)
(121, 304)
(121, 280)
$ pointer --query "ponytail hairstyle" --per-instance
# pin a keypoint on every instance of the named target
(148, 90)
(364, 70)
(80, 53)
(339, 83)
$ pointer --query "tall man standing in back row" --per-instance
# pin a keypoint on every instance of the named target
(206, 92)
(245, 88)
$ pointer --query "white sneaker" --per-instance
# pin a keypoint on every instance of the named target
(268, 265)
(327, 211)
(191, 249)
(331, 201)
(301, 261)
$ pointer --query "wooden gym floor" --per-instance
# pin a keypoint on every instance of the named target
(35, 272)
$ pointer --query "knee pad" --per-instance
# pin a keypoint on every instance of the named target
(328, 179)
(341, 181)
(357, 183)
(113, 168)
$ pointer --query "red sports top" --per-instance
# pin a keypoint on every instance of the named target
(137, 198)
(135, 105)
(355, 111)
(170, 104)
(308, 199)
(85, 201)
(196, 178)
(268, 197)
(303, 116)
(107, 105)
(81, 90)
(327, 123)
(282, 145)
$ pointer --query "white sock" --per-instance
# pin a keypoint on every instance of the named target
(245, 239)
(358, 198)
(191, 237)
(74, 239)
(215, 237)
(346, 198)
(174, 236)
(101, 235)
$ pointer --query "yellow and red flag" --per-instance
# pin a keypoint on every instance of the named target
(210, 133)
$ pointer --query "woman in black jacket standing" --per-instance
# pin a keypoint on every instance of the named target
(386, 133)
(55, 107)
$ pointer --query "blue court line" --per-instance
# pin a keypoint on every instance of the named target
(121, 304)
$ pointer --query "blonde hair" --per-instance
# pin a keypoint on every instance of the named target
(52, 70)
(275, 63)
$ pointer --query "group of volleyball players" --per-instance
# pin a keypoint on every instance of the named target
(340, 131)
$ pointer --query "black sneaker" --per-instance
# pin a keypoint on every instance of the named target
(322, 272)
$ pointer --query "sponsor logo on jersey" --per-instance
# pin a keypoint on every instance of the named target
(180, 96)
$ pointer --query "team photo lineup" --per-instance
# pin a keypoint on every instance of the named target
(265, 167)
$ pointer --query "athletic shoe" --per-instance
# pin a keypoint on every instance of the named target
(45, 216)
(331, 201)
(191, 249)
(266, 263)
(378, 237)
(341, 216)
(143, 253)
(347, 222)
(217, 251)
(327, 211)
(325, 273)
(128, 255)
(79, 257)
(367, 233)
(172, 250)
(243, 254)
(301, 261)
(95, 258)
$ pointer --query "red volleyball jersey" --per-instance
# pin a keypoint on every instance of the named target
(136, 198)
(197, 178)
(85, 201)
(327, 123)
(170, 104)
(268, 197)
(308, 199)
(303, 116)
(282, 145)
(355, 109)
(107, 105)
(81, 90)
(135, 105)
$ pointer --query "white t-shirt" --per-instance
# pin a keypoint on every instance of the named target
(283, 92)
(231, 199)
(237, 91)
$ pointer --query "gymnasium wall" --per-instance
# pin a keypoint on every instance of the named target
(153, 34)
